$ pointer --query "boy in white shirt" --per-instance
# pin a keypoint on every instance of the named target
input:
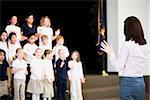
(12, 47)
(44, 46)
(20, 70)
(30, 47)
(60, 45)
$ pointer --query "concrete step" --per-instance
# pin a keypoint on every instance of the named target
(101, 92)
(94, 81)
(112, 98)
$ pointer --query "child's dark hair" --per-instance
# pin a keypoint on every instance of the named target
(2, 33)
(47, 51)
(30, 35)
(18, 49)
(29, 14)
(11, 34)
(1, 50)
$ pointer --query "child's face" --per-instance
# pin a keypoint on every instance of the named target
(38, 53)
(45, 41)
(49, 56)
(13, 39)
(60, 41)
(30, 19)
(62, 54)
(13, 20)
(20, 54)
(46, 22)
(4, 36)
(2, 57)
(74, 56)
(32, 39)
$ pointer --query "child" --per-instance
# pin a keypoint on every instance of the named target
(28, 28)
(5, 81)
(35, 85)
(44, 46)
(45, 29)
(14, 28)
(3, 43)
(12, 46)
(76, 76)
(61, 75)
(49, 75)
(30, 47)
(60, 45)
(19, 68)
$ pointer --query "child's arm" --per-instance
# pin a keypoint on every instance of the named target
(81, 73)
(14, 70)
(9, 74)
(70, 64)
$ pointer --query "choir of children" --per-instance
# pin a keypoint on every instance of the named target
(19, 50)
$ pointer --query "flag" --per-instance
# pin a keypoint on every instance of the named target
(101, 25)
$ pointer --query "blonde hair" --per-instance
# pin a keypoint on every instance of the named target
(42, 21)
(44, 37)
(59, 37)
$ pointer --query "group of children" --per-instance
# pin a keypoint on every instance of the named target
(27, 54)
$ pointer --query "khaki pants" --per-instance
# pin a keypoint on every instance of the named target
(19, 89)
(76, 90)
(3, 88)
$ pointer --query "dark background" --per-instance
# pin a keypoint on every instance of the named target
(77, 20)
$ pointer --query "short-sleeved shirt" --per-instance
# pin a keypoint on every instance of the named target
(19, 64)
(28, 30)
(45, 31)
(12, 50)
(30, 50)
(3, 71)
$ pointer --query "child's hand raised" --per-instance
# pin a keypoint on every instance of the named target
(57, 32)
(62, 64)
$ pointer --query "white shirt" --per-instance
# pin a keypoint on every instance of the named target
(57, 48)
(76, 71)
(48, 69)
(45, 31)
(29, 49)
(12, 50)
(131, 59)
(37, 69)
(15, 29)
(3, 45)
(21, 74)
(45, 47)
